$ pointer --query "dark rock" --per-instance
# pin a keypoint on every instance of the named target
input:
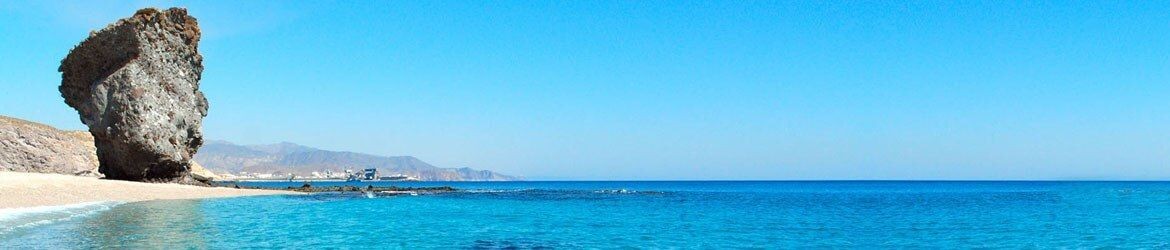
(135, 84)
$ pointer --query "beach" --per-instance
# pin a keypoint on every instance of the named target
(22, 190)
(628, 214)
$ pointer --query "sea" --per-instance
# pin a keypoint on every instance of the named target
(627, 214)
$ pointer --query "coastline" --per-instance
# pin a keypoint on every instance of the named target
(27, 190)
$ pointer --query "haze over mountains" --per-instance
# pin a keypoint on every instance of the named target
(223, 156)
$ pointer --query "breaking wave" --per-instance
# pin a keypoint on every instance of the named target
(12, 219)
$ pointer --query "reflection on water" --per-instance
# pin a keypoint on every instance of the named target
(141, 225)
(149, 225)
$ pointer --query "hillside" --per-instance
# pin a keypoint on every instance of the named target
(222, 156)
(37, 148)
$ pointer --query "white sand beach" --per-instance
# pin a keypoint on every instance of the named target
(22, 190)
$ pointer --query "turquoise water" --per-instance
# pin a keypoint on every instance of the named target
(573, 215)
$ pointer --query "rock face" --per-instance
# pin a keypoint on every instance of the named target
(135, 84)
(31, 147)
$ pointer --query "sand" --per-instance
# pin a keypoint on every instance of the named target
(21, 190)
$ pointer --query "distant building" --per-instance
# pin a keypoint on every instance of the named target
(371, 174)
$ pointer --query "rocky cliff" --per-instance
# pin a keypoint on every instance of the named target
(135, 83)
(32, 147)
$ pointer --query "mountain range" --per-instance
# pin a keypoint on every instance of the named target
(285, 157)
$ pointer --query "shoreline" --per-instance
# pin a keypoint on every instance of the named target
(31, 190)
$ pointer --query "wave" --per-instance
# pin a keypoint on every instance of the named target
(551, 194)
(12, 219)
(615, 191)
(495, 190)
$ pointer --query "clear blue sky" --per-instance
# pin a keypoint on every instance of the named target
(666, 89)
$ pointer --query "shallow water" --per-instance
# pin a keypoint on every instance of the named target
(643, 214)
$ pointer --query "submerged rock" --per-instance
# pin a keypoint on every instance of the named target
(37, 148)
(135, 84)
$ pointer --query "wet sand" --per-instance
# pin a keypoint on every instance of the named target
(20, 190)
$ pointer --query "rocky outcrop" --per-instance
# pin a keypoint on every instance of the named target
(202, 174)
(32, 147)
(135, 84)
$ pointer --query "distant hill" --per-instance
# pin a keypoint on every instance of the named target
(222, 156)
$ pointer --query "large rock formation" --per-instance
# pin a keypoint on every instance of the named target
(37, 148)
(135, 84)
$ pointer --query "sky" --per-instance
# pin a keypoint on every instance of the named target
(666, 90)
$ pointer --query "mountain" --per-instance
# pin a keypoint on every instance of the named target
(222, 156)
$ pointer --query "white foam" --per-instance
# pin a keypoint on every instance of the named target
(615, 191)
(12, 219)
(495, 190)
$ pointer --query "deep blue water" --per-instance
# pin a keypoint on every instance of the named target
(643, 214)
